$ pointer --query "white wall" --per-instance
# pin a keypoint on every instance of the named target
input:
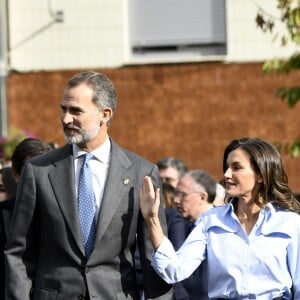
(94, 34)
(91, 34)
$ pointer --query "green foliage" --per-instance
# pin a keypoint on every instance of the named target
(8, 143)
(294, 148)
(290, 148)
(290, 17)
(289, 95)
(282, 66)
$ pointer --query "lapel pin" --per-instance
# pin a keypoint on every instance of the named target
(126, 181)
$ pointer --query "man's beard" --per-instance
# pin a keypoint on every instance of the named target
(80, 137)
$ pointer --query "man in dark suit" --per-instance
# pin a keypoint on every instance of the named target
(46, 256)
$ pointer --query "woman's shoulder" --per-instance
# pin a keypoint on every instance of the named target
(281, 221)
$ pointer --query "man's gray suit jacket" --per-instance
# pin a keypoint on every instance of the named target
(45, 256)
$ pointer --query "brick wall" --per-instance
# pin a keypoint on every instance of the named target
(191, 111)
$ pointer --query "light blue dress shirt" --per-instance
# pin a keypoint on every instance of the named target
(262, 265)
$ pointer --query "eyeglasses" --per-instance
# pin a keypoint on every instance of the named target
(182, 195)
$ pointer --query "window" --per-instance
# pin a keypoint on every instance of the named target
(177, 28)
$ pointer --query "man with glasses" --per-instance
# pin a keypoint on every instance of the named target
(194, 195)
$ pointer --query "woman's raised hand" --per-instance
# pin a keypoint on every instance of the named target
(149, 199)
(149, 204)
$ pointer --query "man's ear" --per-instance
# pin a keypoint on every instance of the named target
(107, 114)
(15, 175)
(203, 195)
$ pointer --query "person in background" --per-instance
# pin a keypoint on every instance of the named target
(28, 148)
(251, 244)
(171, 169)
(176, 224)
(177, 231)
(194, 195)
(80, 210)
(8, 188)
(8, 185)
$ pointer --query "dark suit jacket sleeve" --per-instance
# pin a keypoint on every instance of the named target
(176, 227)
(20, 256)
(154, 286)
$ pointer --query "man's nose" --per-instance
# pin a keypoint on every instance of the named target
(66, 118)
(176, 200)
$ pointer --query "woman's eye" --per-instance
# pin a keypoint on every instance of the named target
(237, 167)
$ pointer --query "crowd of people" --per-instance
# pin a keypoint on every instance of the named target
(92, 220)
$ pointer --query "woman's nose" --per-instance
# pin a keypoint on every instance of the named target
(227, 173)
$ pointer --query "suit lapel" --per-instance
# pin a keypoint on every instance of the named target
(118, 182)
(63, 184)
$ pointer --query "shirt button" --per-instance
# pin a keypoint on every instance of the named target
(87, 269)
(80, 297)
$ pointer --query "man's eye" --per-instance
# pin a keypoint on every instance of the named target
(75, 112)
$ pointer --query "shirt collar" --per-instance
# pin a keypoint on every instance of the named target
(101, 153)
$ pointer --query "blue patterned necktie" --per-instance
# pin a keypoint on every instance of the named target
(86, 205)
